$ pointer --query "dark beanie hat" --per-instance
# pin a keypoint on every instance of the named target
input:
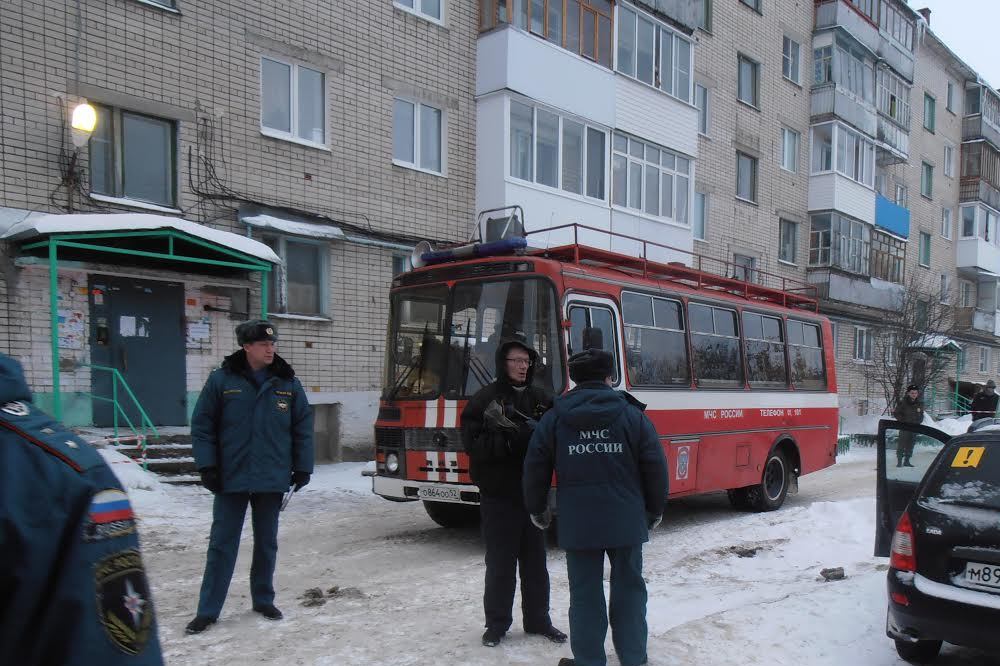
(912, 387)
(590, 365)
(255, 330)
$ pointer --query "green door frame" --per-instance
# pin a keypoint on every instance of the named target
(82, 241)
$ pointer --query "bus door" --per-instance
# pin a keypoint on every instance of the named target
(594, 323)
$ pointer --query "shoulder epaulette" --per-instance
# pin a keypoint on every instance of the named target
(36, 428)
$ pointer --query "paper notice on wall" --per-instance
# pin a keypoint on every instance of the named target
(198, 333)
(126, 326)
(71, 333)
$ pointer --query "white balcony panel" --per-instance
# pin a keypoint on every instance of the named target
(834, 100)
(663, 233)
(655, 116)
(832, 191)
(492, 128)
(508, 58)
(545, 208)
(838, 13)
(979, 255)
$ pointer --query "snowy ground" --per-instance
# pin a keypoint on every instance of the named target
(411, 592)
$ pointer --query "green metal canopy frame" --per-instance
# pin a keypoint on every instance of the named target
(86, 241)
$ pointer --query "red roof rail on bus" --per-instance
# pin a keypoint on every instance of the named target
(696, 273)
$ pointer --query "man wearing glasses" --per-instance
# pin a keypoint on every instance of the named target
(496, 426)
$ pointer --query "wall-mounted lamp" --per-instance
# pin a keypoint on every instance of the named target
(83, 123)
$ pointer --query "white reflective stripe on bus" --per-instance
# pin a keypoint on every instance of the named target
(450, 413)
(451, 463)
(431, 414)
(673, 400)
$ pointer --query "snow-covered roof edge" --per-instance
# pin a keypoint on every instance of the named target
(43, 225)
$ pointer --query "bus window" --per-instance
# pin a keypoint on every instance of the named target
(655, 346)
(715, 343)
(805, 353)
(582, 317)
(416, 344)
(765, 350)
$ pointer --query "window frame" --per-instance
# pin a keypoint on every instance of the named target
(746, 340)
(945, 287)
(117, 155)
(616, 325)
(947, 223)
(657, 73)
(682, 311)
(705, 16)
(676, 176)
(594, 10)
(418, 107)
(797, 142)
(442, 8)
(783, 224)
(930, 112)
(293, 108)
(702, 103)
(703, 207)
(950, 98)
(862, 335)
(753, 176)
(279, 286)
(949, 160)
(927, 180)
(924, 249)
(755, 5)
(788, 60)
(984, 359)
(742, 59)
(716, 384)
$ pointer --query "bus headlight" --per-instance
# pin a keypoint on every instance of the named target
(392, 463)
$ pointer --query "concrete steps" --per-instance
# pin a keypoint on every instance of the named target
(169, 456)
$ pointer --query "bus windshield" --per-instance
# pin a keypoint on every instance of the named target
(435, 334)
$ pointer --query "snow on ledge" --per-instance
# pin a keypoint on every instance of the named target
(43, 225)
(294, 227)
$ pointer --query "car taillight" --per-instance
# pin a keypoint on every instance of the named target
(904, 554)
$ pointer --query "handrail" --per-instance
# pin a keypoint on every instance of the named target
(145, 423)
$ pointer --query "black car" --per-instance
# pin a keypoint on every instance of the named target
(939, 523)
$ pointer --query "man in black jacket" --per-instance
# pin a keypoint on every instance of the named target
(984, 403)
(910, 409)
(496, 426)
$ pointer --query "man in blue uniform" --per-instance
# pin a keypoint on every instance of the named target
(611, 487)
(73, 589)
(252, 434)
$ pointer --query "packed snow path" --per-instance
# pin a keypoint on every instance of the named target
(724, 587)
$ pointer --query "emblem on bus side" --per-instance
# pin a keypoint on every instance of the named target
(683, 455)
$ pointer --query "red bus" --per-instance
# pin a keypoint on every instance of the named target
(736, 370)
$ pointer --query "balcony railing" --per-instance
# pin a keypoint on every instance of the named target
(840, 14)
(976, 127)
(893, 136)
(830, 99)
(893, 218)
(977, 189)
(975, 319)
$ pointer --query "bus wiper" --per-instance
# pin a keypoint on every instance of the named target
(391, 395)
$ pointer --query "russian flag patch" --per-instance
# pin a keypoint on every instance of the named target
(109, 506)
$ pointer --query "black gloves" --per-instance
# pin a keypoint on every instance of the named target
(300, 480)
(542, 520)
(210, 479)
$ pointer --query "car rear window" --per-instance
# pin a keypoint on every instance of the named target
(967, 475)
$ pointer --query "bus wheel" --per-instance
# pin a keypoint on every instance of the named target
(448, 514)
(770, 493)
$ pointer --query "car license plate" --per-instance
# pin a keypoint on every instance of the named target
(982, 575)
(443, 493)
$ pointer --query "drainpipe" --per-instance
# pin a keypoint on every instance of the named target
(54, 323)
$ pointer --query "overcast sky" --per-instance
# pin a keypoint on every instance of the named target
(970, 29)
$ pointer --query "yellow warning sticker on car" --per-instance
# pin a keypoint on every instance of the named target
(968, 456)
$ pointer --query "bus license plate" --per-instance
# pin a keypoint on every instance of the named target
(439, 493)
(982, 575)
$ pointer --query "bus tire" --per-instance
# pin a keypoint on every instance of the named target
(449, 514)
(738, 498)
(770, 493)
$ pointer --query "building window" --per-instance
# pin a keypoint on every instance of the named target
(752, 4)
(788, 240)
(701, 103)
(925, 249)
(749, 81)
(789, 150)
(943, 293)
(429, 8)
(746, 177)
(134, 156)
(960, 359)
(169, 4)
(950, 101)
(888, 256)
(896, 24)
(417, 136)
(538, 138)
(649, 178)
(400, 264)
(292, 101)
(705, 15)
(929, 113)
(839, 242)
(852, 154)
(949, 161)
(946, 223)
(699, 222)
(984, 359)
(744, 267)
(968, 221)
(893, 97)
(862, 344)
(790, 59)
(846, 68)
(965, 294)
(654, 54)
(579, 26)
(301, 278)
(901, 195)
(927, 180)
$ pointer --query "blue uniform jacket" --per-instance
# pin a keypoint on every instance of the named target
(256, 437)
(609, 465)
(73, 589)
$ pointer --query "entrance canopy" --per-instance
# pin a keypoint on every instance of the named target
(935, 343)
(151, 241)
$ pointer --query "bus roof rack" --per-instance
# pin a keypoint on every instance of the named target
(749, 283)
